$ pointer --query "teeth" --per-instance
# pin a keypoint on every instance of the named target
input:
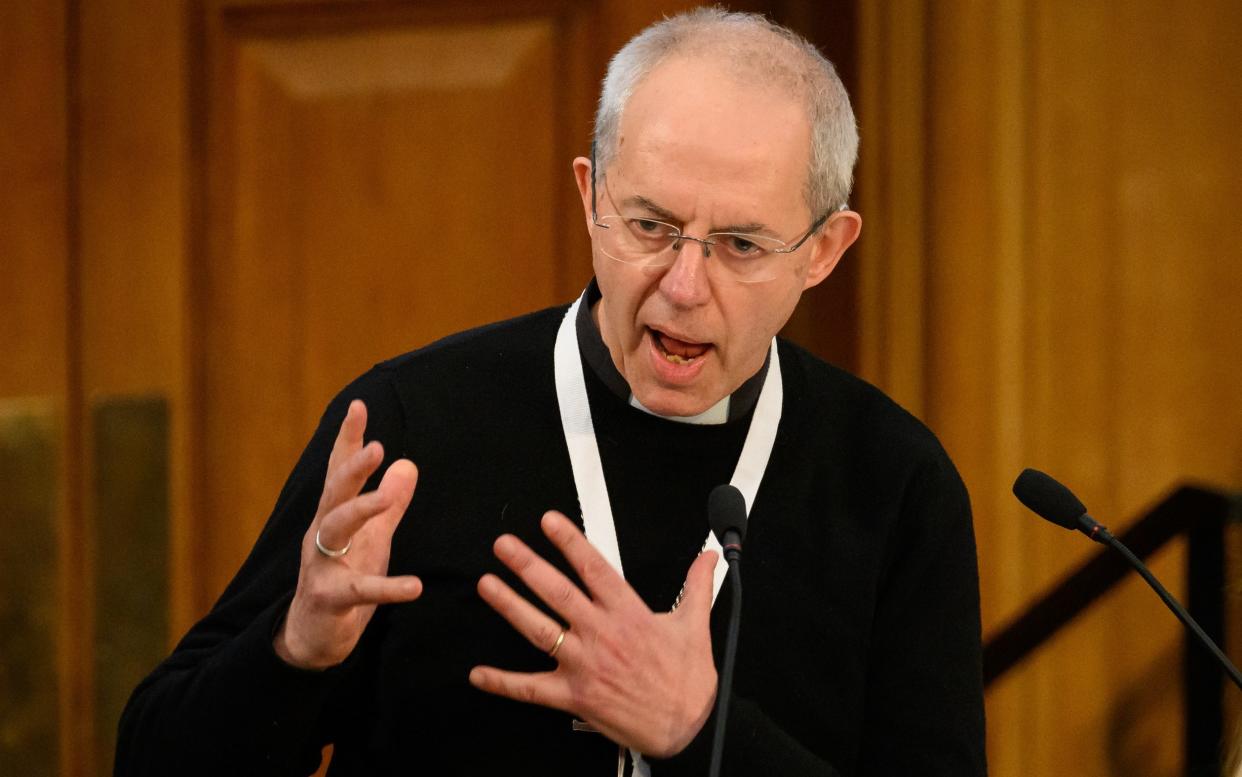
(676, 359)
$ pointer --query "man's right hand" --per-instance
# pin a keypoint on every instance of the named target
(336, 595)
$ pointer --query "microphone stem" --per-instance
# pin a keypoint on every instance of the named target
(1106, 538)
(726, 672)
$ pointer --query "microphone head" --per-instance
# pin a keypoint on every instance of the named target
(1048, 498)
(726, 510)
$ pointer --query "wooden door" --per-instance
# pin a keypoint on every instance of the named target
(373, 177)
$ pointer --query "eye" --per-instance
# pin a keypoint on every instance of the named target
(653, 233)
(741, 245)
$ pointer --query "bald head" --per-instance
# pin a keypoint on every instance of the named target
(748, 50)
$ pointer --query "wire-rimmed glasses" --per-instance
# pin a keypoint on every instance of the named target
(637, 239)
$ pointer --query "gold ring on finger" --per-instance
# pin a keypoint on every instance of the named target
(560, 640)
(329, 552)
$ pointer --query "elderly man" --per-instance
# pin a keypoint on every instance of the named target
(542, 603)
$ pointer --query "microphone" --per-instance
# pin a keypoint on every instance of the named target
(1051, 500)
(726, 514)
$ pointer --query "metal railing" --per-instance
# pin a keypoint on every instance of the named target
(1199, 513)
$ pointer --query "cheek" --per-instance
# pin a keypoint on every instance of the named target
(761, 319)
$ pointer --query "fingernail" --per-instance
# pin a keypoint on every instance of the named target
(476, 677)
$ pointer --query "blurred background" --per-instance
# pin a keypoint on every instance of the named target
(214, 213)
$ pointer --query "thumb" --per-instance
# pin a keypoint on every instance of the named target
(697, 600)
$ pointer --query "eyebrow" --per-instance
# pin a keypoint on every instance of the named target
(667, 215)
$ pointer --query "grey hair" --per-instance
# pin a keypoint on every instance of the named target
(754, 50)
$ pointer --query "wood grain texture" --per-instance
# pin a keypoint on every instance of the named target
(36, 369)
(893, 183)
(131, 603)
(33, 240)
(31, 684)
(369, 191)
(1081, 274)
(128, 281)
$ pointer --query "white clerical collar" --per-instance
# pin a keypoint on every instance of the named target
(716, 414)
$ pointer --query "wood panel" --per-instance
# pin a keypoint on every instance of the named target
(37, 384)
(128, 224)
(892, 179)
(1078, 277)
(30, 678)
(33, 243)
(129, 494)
(371, 190)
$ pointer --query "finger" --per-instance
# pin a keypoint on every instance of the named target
(349, 436)
(348, 478)
(604, 582)
(390, 499)
(547, 689)
(398, 485)
(540, 630)
(338, 527)
(697, 600)
(546, 581)
(375, 589)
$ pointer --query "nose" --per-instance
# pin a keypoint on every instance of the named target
(685, 283)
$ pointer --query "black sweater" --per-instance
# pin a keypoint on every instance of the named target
(859, 650)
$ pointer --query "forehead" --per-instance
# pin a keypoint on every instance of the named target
(692, 132)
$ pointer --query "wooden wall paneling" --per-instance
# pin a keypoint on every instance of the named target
(1179, 355)
(1086, 391)
(31, 586)
(130, 222)
(1175, 198)
(578, 74)
(130, 496)
(37, 386)
(33, 243)
(1080, 259)
(891, 105)
(974, 302)
(375, 177)
(1072, 345)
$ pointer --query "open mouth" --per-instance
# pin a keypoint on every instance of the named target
(677, 351)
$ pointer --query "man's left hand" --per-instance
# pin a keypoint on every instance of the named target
(644, 680)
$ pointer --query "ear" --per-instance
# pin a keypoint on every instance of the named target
(582, 175)
(829, 244)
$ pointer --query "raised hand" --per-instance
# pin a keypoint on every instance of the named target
(644, 680)
(344, 569)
